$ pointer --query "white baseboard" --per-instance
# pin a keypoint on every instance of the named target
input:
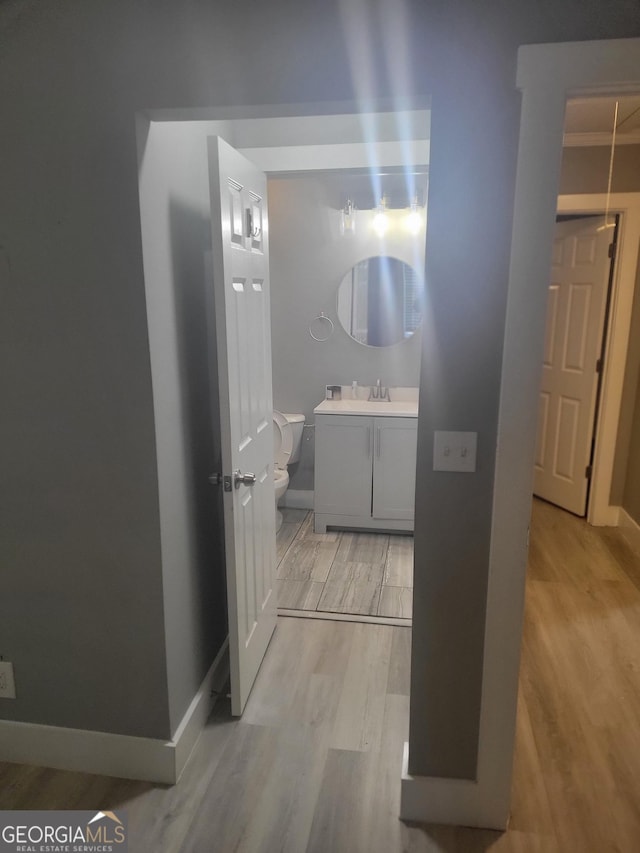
(630, 525)
(197, 713)
(297, 499)
(457, 802)
(108, 754)
(604, 516)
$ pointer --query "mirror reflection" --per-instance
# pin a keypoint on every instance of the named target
(380, 301)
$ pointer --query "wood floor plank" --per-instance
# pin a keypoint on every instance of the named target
(352, 588)
(339, 796)
(163, 819)
(283, 812)
(243, 773)
(308, 560)
(398, 569)
(356, 571)
(571, 697)
(331, 655)
(625, 552)
(307, 532)
(313, 765)
(363, 548)
(284, 538)
(399, 678)
(358, 723)
(301, 678)
(359, 801)
(531, 812)
(299, 595)
(571, 549)
(396, 601)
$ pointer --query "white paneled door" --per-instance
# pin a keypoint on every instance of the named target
(573, 346)
(240, 259)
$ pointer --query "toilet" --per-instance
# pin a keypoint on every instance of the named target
(287, 438)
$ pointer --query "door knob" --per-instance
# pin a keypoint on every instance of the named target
(246, 479)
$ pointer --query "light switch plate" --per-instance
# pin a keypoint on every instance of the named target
(454, 451)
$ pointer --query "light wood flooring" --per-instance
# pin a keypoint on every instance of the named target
(314, 764)
(366, 574)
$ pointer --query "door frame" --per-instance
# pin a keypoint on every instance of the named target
(174, 204)
(600, 510)
(547, 75)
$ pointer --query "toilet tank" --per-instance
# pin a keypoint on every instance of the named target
(297, 424)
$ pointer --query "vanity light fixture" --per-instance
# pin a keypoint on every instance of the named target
(348, 218)
(381, 219)
(414, 218)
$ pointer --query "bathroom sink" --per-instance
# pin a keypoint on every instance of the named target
(399, 408)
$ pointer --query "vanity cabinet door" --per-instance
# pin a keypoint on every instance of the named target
(343, 465)
(394, 478)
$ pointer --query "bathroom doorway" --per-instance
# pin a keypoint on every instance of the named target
(345, 573)
(176, 236)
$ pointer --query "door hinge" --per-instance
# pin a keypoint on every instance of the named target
(599, 366)
(588, 472)
(612, 250)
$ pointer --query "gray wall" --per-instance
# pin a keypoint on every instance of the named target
(81, 613)
(309, 257)
(474, 125)
(586, 170)
(176, 232)
(81, 511)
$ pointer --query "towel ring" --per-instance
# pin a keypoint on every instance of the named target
(328, 329)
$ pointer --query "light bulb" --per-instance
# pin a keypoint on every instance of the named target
(414, 219)
(381, 220)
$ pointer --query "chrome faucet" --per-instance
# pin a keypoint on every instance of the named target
(378, 392)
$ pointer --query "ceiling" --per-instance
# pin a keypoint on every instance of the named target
(589, 121)
(364, 187)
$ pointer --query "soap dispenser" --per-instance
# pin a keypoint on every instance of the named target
(354, 389)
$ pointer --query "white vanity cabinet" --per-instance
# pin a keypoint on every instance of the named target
(365, 471)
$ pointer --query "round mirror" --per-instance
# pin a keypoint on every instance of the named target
(380, 301)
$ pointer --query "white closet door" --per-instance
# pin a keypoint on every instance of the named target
(575, 324)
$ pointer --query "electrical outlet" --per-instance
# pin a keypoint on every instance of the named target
(455, 451)
(7, 682)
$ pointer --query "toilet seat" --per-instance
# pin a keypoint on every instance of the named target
(282, 440)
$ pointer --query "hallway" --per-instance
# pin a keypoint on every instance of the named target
(314, 764)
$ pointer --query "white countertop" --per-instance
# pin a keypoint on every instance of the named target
(398, 409)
